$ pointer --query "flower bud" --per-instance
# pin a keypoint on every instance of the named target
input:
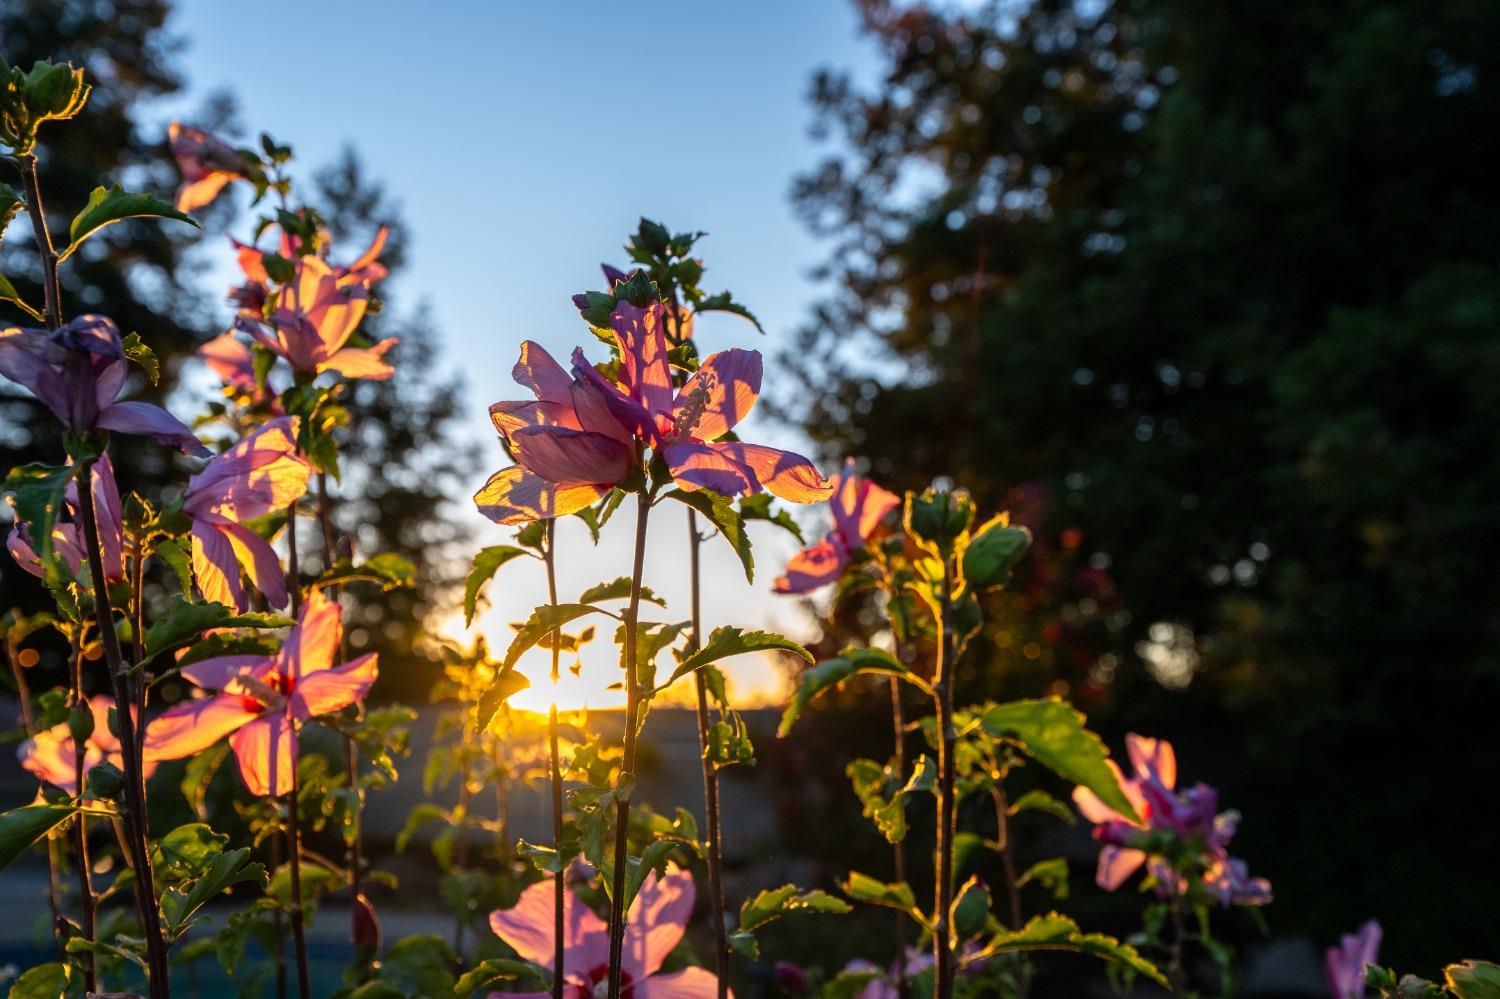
(790, 978)
(80, 723)
(936, 519)
(996, 549)
(105, 781)
(364, 928)
(27, 99)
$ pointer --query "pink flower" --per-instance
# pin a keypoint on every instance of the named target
(858, 507)
(207, 163)
(316, 315)
(685, 428)
(568, 447)
(50, 755)
(653, 927)
(1344, 965)
(261, 700)
(252, 295)
(262, 474)
(77, 371)
(232, 361)
(67, 535)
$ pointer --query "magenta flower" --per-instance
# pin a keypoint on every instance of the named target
(314, 318)
(77, 370)
(262, 474)
(653, 927)
(568, 447)
(261, 700)
(50, 755)
(1344, 965)
(858, 506)
(67, 535)
(208, 165)
(232, 361)
(686, 427)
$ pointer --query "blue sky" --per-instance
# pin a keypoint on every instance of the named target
(522, 142)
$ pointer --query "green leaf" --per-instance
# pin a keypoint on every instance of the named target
(507, 683)
(37, 494)
(107, 206)
(898, 895)
(724, 302)
(729, 641)
(186, 621)
(1055, 931)
(721, 513)
(390, 570)
(177, 554)
(971, 909)
(179, 905)
(21, 827)
(1051, 874)
(1473, 979)
(8, 293)
(994, 552)
(871, 781)
(10, 203)
(486, 564)
(619, 589)
(423, 963)
(543, 621)
(830, 673)
(1052, 731)
(45, 981)
(759, 507)
(494, 970)
(1039, 800)
(773, 903)
(142, 355)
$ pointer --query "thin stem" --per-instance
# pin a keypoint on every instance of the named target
(294, 858)
(135, 786)
(942, 949)
(627, 765)
(710, 774)
(51, 284)
(1007, 853)
(1179, 935)
(559, 888)
(461, 845)
(80, 830)
(898, 849)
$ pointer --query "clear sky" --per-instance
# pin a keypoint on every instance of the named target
(523, 141)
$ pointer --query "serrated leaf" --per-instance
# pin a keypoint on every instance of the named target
(1051, 874)
(720, 511)
(21, 827)
(185, 621)
(390, 570)
(1055, 931)
(45, 981)
(109, 205)
(618, 589)
(724, 302)
(543, 621)
(1052, 731)
(507, 683)
(872, 891)
(495, 970)
(729, 641)
(229, 868)
(10, 203)
(142, 355)
(760, 507)
(1039, 800)
(773, 903)
(37, 494)
(486, 564)
(1473, 979)
(830, 673)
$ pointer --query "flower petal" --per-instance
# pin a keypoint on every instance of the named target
(628, 412)
(656, 920)
(1116, 864)
(260, 562)
(193, 726)
(215, 567)
(508, 417)
(150, 421)
(1152, 759)
(539, 372)
(689, 983)
(859, 505)
(219, 672)
(527, 927)
(719, 394)
(572, 457)
(314, 641)
(704, 466)
(267, 752)
(812, 568)
(645, 373)
(788, 475)
(516, 496)
(24, 359)
(261, 474)
(334, 689)
(362, 362)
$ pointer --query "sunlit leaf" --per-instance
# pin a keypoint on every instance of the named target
(486, 564)
(496, 970)
(772, 904)
(545, 619)
(185, 621)
(729, 641)
(1473, 979)
(1055, 931)
(8, 293)
(1053, 732)
(830, 673)
(390, 570)
(109, 205)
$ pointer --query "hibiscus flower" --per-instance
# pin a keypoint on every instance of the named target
(858, 506)
(208, 165)
(50, 755)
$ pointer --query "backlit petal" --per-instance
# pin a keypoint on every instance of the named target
(334, 689)
(859, 505)
(314, 641)
(1152, 758)
(813, 567)
(572, 457)
(628, 412)
(146, 420)
(218, 672)
(656, 920)
(516, 496)
(215, 567)
(267, 752)
(527, 927)
(362, 362)
(1116, 864)
(539, 372)
(719, 394)
(261, 474)
(704, 466)
(193, 726)
(788, 475)
(689, 983)
(260, 562)
(644, 372)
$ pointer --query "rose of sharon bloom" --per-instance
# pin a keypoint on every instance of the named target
(262, 474)
(1191, 814)
(569, 448)
(653, 927)
(262, 699)
(252, 295)
(67, 536)
(230, 359)
(685, 428)
(1344, 965)
(858, 506)
(77, 370)
(50, 755)
(315, 316)
(207, 163)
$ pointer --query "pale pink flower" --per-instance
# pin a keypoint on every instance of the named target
(858, 506)
(230, 359)
(316, 315)
(262, 699)
(262, 474)
(67, 533)
(1344, 965)
(208, 165)
(653, 927)
(50, 755)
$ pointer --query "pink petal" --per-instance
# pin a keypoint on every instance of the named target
(261, 474)
(49, 756)
(260, 562)
(813, 567)
(360, 362)
(527, 927)
(367, 269)
(508, 417)
(1116, 864)
(592, 412)
(146, 420)
(24, 359)
(336, 688)
(215, 567)
(645, 372)
(193, 726)
(314, 641)
(719, 394)
(1152, 758)
(656, 920)
(627, 412)
(859, 505)
(267, 752)
(539, 372)
(219, 672)
(251, 261)
(228, 357)
(516, 496)
(689, 983)
(1096, 811)
(194, 194)
(788, 475)
(572, 457)
(704, 466)
(108, 518)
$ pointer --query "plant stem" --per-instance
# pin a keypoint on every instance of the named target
(559, 888)
(278, 926)
(1179, 935)
(135, 786)
(898, 849)
(1008, 870)
(80, 831)
(942, 938)
(51, 284)
(710, 774)
(294, 858)
(627, 765)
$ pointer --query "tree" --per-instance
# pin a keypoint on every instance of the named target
(1210, 292)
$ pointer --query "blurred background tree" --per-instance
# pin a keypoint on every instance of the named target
(1208, 294)
(156, 279)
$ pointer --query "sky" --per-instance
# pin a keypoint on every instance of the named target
(523, 142)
